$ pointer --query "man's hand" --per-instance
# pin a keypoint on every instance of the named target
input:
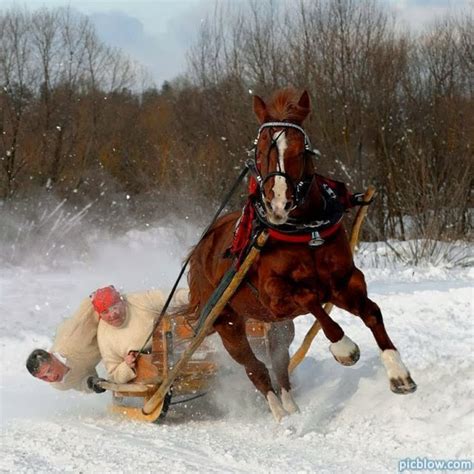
(93, 384)
(131, 359)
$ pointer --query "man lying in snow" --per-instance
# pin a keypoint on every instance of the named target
(74, 354)
(108, 326)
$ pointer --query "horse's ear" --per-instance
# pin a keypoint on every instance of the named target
(259, 108)
(305, 102)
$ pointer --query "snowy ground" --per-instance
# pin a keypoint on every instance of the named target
(349, 421)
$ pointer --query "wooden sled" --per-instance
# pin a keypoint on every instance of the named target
(196, 377)
(170, 339)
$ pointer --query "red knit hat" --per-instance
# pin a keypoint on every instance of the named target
(104, 298)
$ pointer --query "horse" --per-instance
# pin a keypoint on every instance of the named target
(290, 277)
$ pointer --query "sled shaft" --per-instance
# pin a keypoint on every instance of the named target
(206, 325)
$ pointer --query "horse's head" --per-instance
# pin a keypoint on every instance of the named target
(281, 153)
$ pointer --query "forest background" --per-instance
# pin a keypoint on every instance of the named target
(83, 127)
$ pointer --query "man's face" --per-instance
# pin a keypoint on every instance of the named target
(115, 315)
(52, 370)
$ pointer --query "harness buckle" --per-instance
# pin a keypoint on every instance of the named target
(330, 192)
(316, 239)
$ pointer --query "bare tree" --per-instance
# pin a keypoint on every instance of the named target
(390, 107)
(17, 81)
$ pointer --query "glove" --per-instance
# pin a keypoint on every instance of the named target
(92, 383)
(357, 199)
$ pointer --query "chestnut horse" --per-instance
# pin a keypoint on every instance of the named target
(289, 279)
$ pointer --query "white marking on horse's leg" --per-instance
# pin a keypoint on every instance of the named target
(276, 407)
(279, 186)
(400, 379)
(288, 402)
(345, 351)
(393, 364)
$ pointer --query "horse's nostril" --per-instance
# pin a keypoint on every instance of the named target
(288, 205)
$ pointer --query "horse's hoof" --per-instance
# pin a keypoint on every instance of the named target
(276, 407)
(288, 402)
(345, 351)
(403, 386)
(400, 379)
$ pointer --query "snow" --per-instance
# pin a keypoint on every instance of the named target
(349, 420)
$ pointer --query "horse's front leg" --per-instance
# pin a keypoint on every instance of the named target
(344, 350)
(284, 299)
(231, 329)
(353, 298)
(280, 336)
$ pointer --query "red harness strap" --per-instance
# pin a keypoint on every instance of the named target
(304, 238)
(243, 230)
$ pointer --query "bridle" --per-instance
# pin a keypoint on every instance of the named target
(299, 190)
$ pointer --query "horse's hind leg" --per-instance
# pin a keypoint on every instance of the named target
(353, 298)
(280, 336)
(231, 329)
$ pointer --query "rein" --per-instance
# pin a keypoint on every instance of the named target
(226, 199)
(318, 230)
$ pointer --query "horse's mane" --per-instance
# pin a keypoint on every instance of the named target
(283, 106)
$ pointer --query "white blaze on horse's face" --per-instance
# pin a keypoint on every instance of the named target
(277, 208)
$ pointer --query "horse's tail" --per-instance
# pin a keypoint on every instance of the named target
(186, 311)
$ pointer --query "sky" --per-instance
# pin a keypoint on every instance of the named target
(159, 32)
